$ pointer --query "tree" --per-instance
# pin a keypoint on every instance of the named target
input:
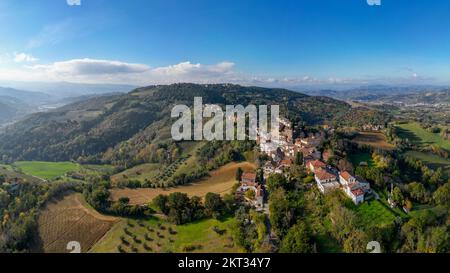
(434, 240)
(260, 175)
(299, 158)
(198, 210)
(4, 199)
(356, 242)
(397, 196)
(442, 195)
(160, 202)
(277, 181)
(281, 215)
(297, 240)
(239, 173)
(250, 194)
(214, 205)
(99, 198)
(343, 222)
(180, 211)
(418, 192)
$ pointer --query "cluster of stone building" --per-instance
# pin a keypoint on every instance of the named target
(282, 152)
(329, 179)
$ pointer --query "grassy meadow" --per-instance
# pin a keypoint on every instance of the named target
(46, 170)
(421, 137)
(432, 160)
(358, 158)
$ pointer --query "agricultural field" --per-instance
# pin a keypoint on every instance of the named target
(374, 139)
(432, 160)
(11, 174)
(46, 170)
(158, 173)
(140, 173)
(158, 236)
(421, 137)
(71, 219)
(220, 181)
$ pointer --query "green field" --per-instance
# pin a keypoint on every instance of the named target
(357, 158)
(46, 170)
(194, 237)
(419, 136)
(433, 161)
(140, 173)
(374, 213)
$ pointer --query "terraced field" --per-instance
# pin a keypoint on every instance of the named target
(374, 139)
(71, 219)
(159, 174)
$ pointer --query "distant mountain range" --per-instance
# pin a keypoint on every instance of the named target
(22, 98)
(374, 92)
(67, 89)
(423, 98)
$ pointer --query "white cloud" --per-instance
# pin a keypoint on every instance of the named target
(118, 72)
(111, 71)
(23, 57)
(90, 67)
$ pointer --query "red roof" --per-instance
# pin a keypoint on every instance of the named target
(346, 175)
(358, 192)
(325, 175)
(248, 176)
(287, 162)
(318, 164)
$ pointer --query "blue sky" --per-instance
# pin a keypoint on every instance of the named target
(285, 43)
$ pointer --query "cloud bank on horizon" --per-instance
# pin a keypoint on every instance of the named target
(288, 44)
(88, 70)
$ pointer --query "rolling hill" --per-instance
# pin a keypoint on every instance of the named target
(423, 98)
(127, 123)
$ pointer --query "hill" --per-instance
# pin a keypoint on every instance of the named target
(374, 92)
(15, 103)
(423, 98)
(103, 128)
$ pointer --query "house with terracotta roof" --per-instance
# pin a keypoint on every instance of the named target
(354, 187)
(248, 178)
(286, 163)
(326, 180)
(357, 195)
(315, 165)
(248, 182)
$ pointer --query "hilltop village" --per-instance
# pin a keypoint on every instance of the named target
(307, 151)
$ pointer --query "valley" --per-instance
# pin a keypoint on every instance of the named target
(107, 174)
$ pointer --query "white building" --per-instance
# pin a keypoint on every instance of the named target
(326, 181)
(353, 187)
